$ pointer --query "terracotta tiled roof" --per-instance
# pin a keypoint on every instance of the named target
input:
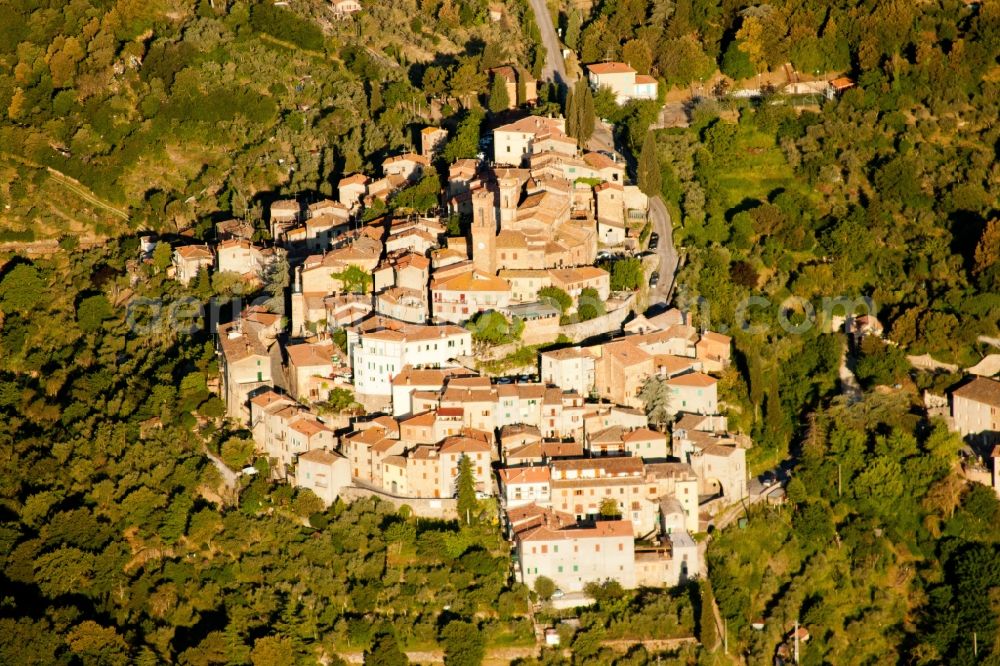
(532, 125)
(601, 530)
(624, 466)
(194, 252)
(579, 274)
(309, 354)
(515, 475)
(321, 456)
(643, 435)
(609, 68)
(464, 445)
(507, 72)
(473, 280)
(355, 179)
(267, 398)
(599, 161)
(720, 450)
(626, 353)
(694, 379)
(671, 364)
(423, 419)
(308, 426)
(712, 336)
(608, 435)
(982, 390)
(285, 205)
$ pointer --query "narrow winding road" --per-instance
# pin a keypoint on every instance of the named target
(669, 260)
(659, 296)
(554, 69)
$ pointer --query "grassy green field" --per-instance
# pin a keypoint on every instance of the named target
(758, 170)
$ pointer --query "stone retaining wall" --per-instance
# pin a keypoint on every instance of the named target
(424, 507)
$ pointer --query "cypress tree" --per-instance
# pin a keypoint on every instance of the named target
(708, 633)
(499, 99)
(468, 505)
(571, 114)
(573, 23)
(580, 116)
(650, 180)
(587, 116)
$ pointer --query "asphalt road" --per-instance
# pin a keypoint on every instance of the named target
(554, 69)
(659, 296)
(669, 259)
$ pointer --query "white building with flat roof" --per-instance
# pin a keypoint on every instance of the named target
(378, 356)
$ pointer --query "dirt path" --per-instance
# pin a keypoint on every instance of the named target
(71, 184)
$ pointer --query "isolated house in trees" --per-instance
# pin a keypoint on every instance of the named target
(189, 259)
(432, 140)
(623, 81)
(975, 408)
(344, 9)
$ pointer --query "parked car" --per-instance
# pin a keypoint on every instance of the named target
(558, 594)
(654, 279)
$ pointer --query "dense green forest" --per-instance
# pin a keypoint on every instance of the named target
(883, 551)
(171, 112)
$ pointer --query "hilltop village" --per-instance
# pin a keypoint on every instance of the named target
(390, 309)
(607, 440)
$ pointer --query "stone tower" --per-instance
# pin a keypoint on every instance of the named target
(510, 194)
(484, 232)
